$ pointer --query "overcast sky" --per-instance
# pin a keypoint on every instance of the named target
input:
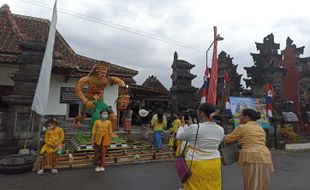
(190, 22)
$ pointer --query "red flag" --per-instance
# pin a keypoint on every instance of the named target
(212, 92)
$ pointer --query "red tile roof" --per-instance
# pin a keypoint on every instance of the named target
(16, 28)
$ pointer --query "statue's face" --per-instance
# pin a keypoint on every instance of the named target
(122, 103)
(102, 72)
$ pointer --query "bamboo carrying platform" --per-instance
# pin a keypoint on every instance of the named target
(77, 154)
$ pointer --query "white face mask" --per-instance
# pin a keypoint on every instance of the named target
(104, 116)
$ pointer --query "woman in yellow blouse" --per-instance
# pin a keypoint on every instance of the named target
(101, 139)
(53, 144)
(175, 144)
(158, 123)
(255, 157)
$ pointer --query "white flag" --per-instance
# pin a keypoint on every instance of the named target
(40, 98)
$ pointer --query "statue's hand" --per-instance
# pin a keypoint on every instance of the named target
(76, 122)
(122, 84)
(90, 105)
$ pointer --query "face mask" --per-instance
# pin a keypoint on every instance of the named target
(104, 116)
(50, 127)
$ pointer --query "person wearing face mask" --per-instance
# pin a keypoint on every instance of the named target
(53, 138)
(101, 139)
(254, 158)
(203, 156)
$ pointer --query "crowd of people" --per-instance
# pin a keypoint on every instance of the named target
(198, 135)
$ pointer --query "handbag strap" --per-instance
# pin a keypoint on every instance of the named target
(183, 152)
(190, 167)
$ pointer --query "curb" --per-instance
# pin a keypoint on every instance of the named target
(297, 146)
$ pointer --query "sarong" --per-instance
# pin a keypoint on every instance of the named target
(49, 160)
(127, 125)
(157, 139)
(100, 154)
(144, 130)
(256, 176)
(206, 175)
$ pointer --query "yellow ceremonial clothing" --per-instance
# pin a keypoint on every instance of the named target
(175, 125)
(206, 175)
(204, 155)
(53, 140)
(102, 132)
(176, 143)
(252, 138)
(254, 158)
(159, 126)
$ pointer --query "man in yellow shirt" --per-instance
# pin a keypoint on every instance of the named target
(101, 139)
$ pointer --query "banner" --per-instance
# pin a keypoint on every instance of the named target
(204, 88)
(40, 98)
(237, 104)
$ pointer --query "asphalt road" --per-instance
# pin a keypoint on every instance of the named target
(292, 173)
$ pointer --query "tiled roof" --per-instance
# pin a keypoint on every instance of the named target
(127, 79)
(140, 89)
(16, 28)
(153, 82)
(8, 58)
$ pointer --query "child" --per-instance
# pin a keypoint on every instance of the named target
(53, 145)
(101, 139)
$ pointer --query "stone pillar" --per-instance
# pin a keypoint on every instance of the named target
(20, 101)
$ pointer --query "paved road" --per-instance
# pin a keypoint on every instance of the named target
(292, 173)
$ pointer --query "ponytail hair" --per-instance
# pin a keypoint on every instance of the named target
(215, 116)
(160, 117)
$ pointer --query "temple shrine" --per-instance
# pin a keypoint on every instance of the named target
(231, 87)
(182, 90)
(267, 68)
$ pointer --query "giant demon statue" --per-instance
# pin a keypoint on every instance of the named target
(97, 80)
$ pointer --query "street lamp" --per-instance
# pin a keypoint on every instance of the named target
(218, 38)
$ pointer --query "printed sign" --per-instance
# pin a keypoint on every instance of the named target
(68, 96)
(237, 104)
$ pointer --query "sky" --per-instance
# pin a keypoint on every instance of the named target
(100, 29)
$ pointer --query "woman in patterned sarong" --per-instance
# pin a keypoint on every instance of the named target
(144, 122)
(255, 157)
